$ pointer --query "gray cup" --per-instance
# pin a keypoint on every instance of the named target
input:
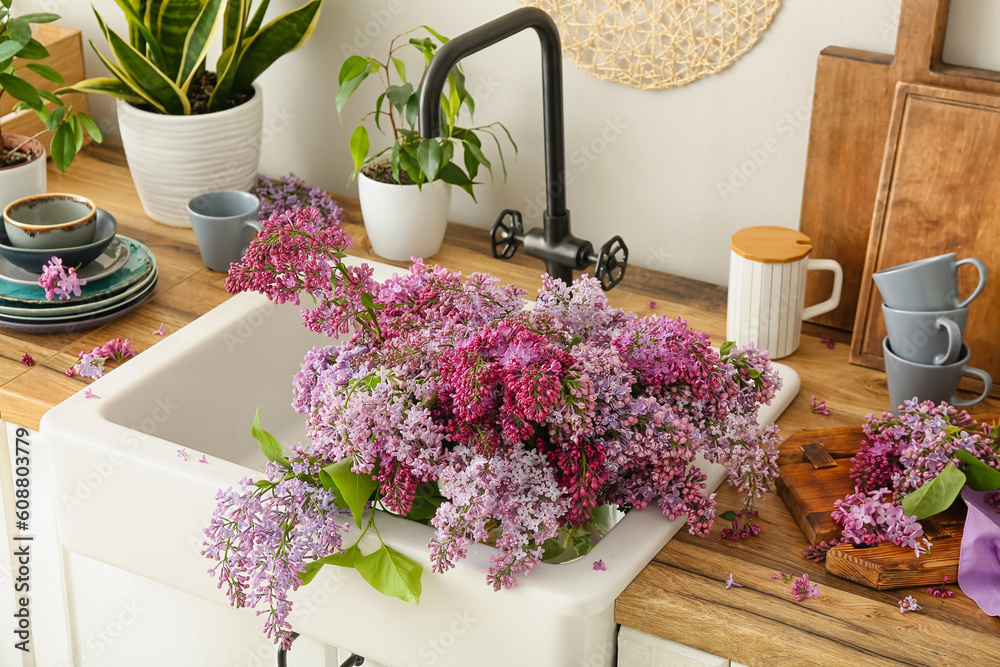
(932, 337)
(929, 382)
(224, 222)
(927, 284)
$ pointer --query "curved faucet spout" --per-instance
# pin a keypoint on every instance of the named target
(477, 39)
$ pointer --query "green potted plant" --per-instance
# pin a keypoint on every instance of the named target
(405, 188)
(22, 159)
(187, 130)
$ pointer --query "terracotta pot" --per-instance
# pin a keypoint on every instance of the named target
(22, 180)
(175, 158)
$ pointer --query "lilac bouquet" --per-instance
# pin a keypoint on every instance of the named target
(446, 400)
(914, 466)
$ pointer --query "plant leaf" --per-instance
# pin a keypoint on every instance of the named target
(391, 573)
(55, 118)
(39, 17)
(359, 147)
(451, 173)
(347, 559)
(348, 87)
(429, 158)
(9, 48)
(197, 42)
(19, 30)
(47, 72)
(284, 34)
(104, 86)
(21, 89)
(63, 146)
(400, 68)
(978, 475)
(269, 445)
(936, 495)
(728, 515)
(399, 95)
(140, 36)
(726, 348)
(175, 21)
(354, 489)
(33, 50)
(92, 129)
(258, 19)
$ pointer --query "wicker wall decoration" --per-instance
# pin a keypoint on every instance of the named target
(653, 44)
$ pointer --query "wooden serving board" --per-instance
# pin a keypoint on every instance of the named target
(938, 193)
(852, 109)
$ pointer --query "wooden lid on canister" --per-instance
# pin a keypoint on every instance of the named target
(771, 245)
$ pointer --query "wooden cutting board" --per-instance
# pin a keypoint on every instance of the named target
(852, 108)
(939, 192)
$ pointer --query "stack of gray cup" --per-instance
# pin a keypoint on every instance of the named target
(925, 355)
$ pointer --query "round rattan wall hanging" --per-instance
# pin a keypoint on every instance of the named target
(653, 44)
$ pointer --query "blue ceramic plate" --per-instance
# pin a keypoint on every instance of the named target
(70, 310)
(71, 325)
(109, 261)
(139, 265)
(32, 259)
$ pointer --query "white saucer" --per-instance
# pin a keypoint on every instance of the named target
(113, 258)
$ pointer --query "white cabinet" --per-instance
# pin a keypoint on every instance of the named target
(637, 649)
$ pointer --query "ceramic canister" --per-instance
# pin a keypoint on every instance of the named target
(767, 283)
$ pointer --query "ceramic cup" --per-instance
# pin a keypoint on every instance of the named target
(927, 284)
(928, 382)
(767, 288)
(224, 222)
(932, 337)
(50, 221)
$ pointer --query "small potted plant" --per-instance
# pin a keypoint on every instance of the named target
(406, 195)
(22, 159)
(187, 130)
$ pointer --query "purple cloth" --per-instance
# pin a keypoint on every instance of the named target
(979, 561)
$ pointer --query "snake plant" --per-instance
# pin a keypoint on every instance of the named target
(168, 43)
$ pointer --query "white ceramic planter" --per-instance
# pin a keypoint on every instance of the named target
(175, 158)
(25, 179)
(404, 221)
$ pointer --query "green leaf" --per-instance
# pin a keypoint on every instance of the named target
(552, 549)
(197, 42)
(348, 87)
(412, 112)
(39, 17)
(21, 89)
(359, 147)
(233, 19)
(400, 68)
(19, 30)
(104, 86)
(258, 19)
(33, 50)
(395, 162)
(367, 301)
(49, 97)
(408, 161)
(55, 118)
(399, 95)
(140, 36)
(175, 21)
(74, 123)
(478, 154)
(728, 515)
(441, 38)
(264, 484)
(92, 129)
(352, 68)
(391, 573)
(63, 146)
(936, 495)
(9, 49)
(978, 475)
(347, 559)
(47, 72)
(282, 35)
(451, 173)
(269, 445)
(429, 158)
(726, 348)
(354, 489)
(378, 111)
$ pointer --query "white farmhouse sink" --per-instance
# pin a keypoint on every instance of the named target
(145, 507)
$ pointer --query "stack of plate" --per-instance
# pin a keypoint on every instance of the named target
(118, 281)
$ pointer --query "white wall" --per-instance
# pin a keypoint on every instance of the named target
(657, 182)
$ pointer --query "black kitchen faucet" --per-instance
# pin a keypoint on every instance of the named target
(554, 242)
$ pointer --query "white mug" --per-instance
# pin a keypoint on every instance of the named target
(767, 288)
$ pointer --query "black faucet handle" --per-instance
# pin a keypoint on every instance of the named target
(504, 237)
(611, 263)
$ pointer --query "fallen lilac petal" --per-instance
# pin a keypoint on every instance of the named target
(160, 331)
(183, 453)
(90, 394)
(600, 566)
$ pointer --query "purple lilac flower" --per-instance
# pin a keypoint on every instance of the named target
(116, 349)
(819, 406)
(909, 603)
(59, 281)
(802, 589)
(870, 519)
(160, 331)
(182, 453)
(90, 365)
(290, 194)
(730, 583)
(600, 566)
(89, 394)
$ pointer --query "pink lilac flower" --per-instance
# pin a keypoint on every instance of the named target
(730, 582)
(600, 566)
(909, 603)
(526, 421)
(802, 589)
(826, 340)
(870, 519)
(89, 394)
(70, 372)
(116, 349)
(160, 331)
(817, 553)
(27, 360)
(653, 305)
(939, 593)
(819, 406)
(59, 281)
(182, 453)
(290, 194)
(203, 459)
(783, 576)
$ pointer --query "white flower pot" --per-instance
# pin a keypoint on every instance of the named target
(175, 158)
(404, 221)
(24, 179)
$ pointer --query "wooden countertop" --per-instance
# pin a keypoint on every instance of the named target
(681, 595)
